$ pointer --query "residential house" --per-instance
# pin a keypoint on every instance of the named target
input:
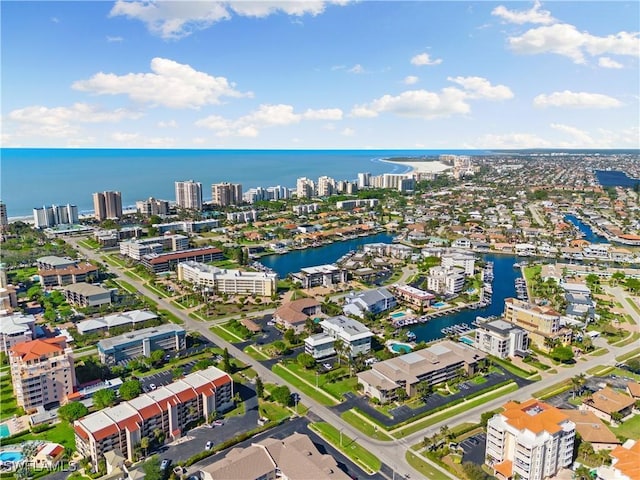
(370, 301)
(295, 314)
(607, 402)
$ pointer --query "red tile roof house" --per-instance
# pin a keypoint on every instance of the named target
(606, 402)
(168, 408)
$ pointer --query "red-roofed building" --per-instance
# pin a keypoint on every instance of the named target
(168, 409)
(531, 440)
(42, 372)
(625, 462)
(165, 262)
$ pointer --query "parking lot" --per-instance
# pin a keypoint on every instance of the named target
(156, 380)
(591, 385)
(474, 448)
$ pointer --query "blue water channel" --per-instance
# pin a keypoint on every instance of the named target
(503, 285)
(589, 236)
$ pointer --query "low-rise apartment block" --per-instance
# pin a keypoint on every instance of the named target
(167, 337)
(436, 364)
(165, 262)
(138, 248)
(16, 328)
(531, 440)
(412, 296)
(42, 372)
(57, 277)
(168, 409)
(124, 319)
(502, 339)
(370, 301)
(228, 281)
(355, 337)
(446, 280)
(87, 295)
(294, 457)
(351, 204)
(188, 226)
(541, 322)
(321, 275)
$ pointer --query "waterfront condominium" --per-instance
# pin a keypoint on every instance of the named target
(167, 409)
(107, 205)
(530, 440)
(42, 372)
(55, 215)
(225, 194)
(189, 195)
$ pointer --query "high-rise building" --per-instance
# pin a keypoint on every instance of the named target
(530, 440)
(364, 180)
(151, 206)
(189, 195)
(326, 186)
(42, 372)
(64, 214)
(225, 194)
(4, 220)
(42, 217)
(107, 205)
(305, 188)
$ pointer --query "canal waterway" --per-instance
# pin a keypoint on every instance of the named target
(295, 260)
(589, 236)
(503, 287)
(615, 178)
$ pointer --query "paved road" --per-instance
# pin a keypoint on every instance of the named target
(390, 453)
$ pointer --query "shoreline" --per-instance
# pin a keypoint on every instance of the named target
(430, 166)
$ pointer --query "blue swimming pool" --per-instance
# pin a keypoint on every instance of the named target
(10, 456)
(398, 315)
(466, 340)
(439, 304)
(400, 348)
(4, 431)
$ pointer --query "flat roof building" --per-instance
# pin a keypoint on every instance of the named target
(167, 337)
(502, 339)
(228, 281)
(103, 324)
(16, 328)
(87, 295)
(165, 262)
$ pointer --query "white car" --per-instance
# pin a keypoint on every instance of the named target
(327, 366)
(209, 445)
(152, 386)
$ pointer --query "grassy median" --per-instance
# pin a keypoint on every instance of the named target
(367, 460)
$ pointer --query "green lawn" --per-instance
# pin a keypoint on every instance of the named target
(599, 370)
(273, 411)
(453, 411)
(324, 399)
(629, 429)
(340, 387)
(256, 354)
(423, 467)
(225, 334)
(172, 318)
(8, 405)
(509, 367)
(599, 352)
(552, 390)
(478, 380)
(633, 305)
(61, 433)
(349, 447)
(371, 431)
(628, 355)
(633, 338)
(127, 286)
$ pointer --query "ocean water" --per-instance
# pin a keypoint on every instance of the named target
(615, 178)
(36, 177)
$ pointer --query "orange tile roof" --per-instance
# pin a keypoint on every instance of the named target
(56, 451)
(504, 468)
(548, 418)
(609, 400)
(634, 389)
(81, 432)
(35, 349)
(628, 460)
(150, 411)
(221, 381)
(105, 432)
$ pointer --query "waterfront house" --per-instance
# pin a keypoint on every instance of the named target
(295, 314)
(370, 301)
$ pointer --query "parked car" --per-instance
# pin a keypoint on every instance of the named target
(327, 366)
(218, 423)
(152, 386)
(209, 445)
(165, 464)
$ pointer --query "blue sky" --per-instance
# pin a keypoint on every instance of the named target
(316, 74)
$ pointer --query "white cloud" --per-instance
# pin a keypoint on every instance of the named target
(581, 138)
(575, 100)
(533, 15)
(425, 104)
(141, 141)
(114, 39)
(511, 141)
(417, 103)
(478, 87)
(564, 39)
(356, 69)
(348, 132)
(265, 116)
(171, 84)
(606, 62)
(168, 124)
(178, 19)
(424, 59)
(410, 80)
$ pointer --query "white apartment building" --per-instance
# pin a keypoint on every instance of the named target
(364, 180)
(326, 186)
(354, 335)
(55, 215)
(446, 281)
(351, 204)
(305, 188)
(152, 206)
(189, 195)
(107, 205)
(244, 216)
(532, 440)
(228, 281)
(14, 329)
(138, 248)
(501, 339)
(42, 372)
(459, 259)
(304, 209)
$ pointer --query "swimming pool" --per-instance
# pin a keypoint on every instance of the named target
(439, 304)
(467, 340)
(4, 431)
(400, 348)
(398, 315)
(10, 456)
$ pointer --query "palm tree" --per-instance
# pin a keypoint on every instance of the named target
(576, 384)
(144, 444)
(340, 349)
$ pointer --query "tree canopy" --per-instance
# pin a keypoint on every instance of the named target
(130, 389)
(104, 398)
(72, 411)
(281, 395)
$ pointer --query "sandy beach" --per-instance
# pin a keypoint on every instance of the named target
(434, 166)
